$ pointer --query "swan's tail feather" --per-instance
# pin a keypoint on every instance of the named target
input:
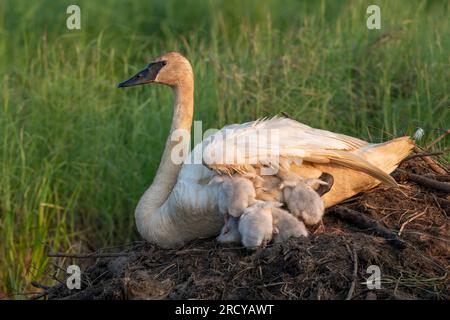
(377, 160)
(357, 162)
(388, 155)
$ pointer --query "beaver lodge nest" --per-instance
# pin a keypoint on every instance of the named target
(404, 231)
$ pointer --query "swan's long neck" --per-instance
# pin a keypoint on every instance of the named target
(150, 223)
(167, 173)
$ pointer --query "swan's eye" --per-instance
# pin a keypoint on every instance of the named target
(163, 62)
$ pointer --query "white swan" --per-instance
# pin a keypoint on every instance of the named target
(180, 205)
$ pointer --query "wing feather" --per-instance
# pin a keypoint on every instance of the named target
(237, 148)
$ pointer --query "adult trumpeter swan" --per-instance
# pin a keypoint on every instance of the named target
(180, 205)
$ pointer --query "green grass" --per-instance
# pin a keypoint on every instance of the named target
(76, 153)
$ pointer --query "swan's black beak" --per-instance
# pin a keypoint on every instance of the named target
(148, 75)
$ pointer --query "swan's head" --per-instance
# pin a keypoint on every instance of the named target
(171, 69)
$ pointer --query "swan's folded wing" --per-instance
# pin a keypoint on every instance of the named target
(272, 142)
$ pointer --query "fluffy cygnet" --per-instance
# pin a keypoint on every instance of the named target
(255, 224)
(230, 232)
(267, 188)
(286, 225)
(237, 194)
(302, 200)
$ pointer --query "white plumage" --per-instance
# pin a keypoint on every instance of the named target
(270, 142)
(286, 226)
(255, 224)
(268, 188)
(236, 194)
(301, 199)
(230, 232)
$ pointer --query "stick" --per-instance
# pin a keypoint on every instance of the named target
(431, 163)
(164, 270)
(439, 178)
(38, 296)
(355, 274)
(86, 255)
(426, 182)
(442, 136)
(410, 220)
(87, 294)
(363, 222)
(444, 203)
(39, 285)
(190, 251)
(425, 154)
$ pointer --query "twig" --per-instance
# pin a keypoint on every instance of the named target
(10, 295)
(425, 154)
(189, 251)
(445, 178)
(39, 285)
(355, 274)
(164, 270)
(54, 277)
(444, 203)
(434, 166)
(40, 295)
(86, 294)
(363, 222)
(87, 255)
(410, 220)
(427, 235)
(426, 182)
(442, 136)
(431, 163)
(272, 284)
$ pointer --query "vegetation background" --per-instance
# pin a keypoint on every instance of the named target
(76, 153)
